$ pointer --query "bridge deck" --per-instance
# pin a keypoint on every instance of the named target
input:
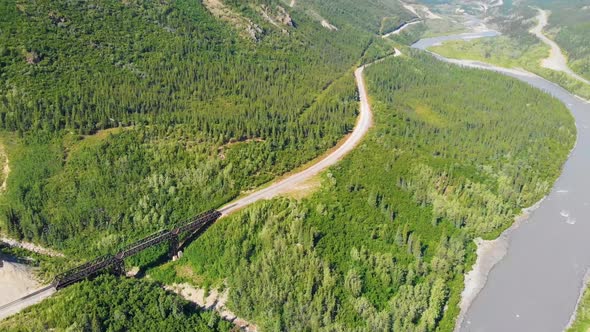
(115, 261)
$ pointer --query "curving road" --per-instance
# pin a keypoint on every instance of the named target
(26, 301)
(363, 123)
(556, 60)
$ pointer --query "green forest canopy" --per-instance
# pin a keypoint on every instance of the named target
(125, 117)
(114, 304)
(385, 243)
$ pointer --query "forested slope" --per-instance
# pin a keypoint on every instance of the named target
(124, 117)
(112, 304)
(377, 16)
(138, 114)
(385, 243)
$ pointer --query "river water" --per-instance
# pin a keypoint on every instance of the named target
(535, 287)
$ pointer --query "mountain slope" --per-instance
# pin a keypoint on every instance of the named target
(125, 117)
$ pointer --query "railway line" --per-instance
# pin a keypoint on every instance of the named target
(194, 227)
(176, 237)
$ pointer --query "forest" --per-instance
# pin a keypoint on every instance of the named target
(112, 304)
(376, 16)
(384, 243)
(122, 118)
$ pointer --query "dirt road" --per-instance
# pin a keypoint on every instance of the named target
(364, 122)
(556, 60)
(27, 301)
(16, 279)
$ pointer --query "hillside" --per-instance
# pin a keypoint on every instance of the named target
(384, 243)
(124, 117)
(120, 118)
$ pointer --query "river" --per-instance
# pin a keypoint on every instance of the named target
(537, 283)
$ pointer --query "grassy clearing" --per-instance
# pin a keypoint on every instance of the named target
(507, 52)
(437, 28)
